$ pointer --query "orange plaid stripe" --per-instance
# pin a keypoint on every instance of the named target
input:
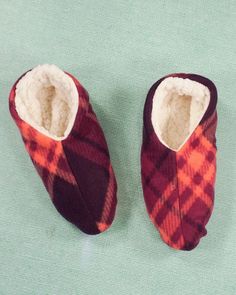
(196, 171)
(108, 202)
(45, 152)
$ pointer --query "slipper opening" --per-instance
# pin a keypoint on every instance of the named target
(178, 106)
(47, 99)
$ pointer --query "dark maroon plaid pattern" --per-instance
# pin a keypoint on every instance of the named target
(178, 186)
(76, 171)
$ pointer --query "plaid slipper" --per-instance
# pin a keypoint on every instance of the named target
(178, 157)
(67, 146)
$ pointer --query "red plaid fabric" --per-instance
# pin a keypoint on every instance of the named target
(179, 186)
(76, 171)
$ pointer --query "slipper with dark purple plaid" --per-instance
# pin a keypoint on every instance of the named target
(178, 157)
(67, 146)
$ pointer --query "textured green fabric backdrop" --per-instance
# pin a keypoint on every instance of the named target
(117, 49)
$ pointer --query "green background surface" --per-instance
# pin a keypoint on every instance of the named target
(117, 49)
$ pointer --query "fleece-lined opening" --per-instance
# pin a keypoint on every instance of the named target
(178, 107)
(47, 99)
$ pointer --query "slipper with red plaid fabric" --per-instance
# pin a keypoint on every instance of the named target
(67, 146)
(178, 157)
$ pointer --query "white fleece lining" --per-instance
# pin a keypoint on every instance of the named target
(178, 107)
(47, 99)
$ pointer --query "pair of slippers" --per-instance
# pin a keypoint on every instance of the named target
(68, 149)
